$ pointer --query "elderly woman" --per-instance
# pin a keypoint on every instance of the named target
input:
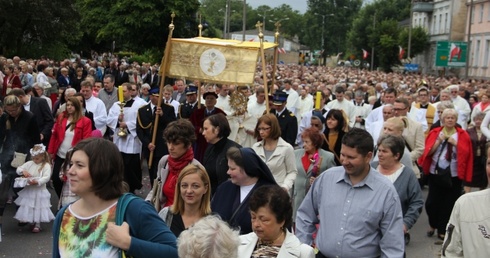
(192, 199)
(179, 136)
(478, 142)
(247, 172)
(216, 130)
(271, 210)
(274, 151)
(447, 160)
(311, 161)
(86, 227)
(145, 92)
(483, 106)
(390, 151)
(394, 126)
(210, 237)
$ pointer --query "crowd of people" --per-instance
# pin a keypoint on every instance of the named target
(335, 167)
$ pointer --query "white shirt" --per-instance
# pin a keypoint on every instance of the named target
(361, 111)
(255, 109)
(305, 105)
(346, 106)
(129, 144)
(174, 103)
(97, 107)
(223, 103)
(293, 101)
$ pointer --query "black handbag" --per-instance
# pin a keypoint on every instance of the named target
(442, 177)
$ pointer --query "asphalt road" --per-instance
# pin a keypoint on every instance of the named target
(21, 242)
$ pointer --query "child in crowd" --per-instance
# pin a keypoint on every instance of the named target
(67, 196)
(34, 200)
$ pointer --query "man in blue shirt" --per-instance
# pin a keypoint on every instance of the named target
(357, 208)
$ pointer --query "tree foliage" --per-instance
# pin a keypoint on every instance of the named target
(36, 28)
(377, 26)
(332, 19)
(419, 40)
(136, 25)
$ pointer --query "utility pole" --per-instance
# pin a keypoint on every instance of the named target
(468, 44)
(372, 48)
(410, 31)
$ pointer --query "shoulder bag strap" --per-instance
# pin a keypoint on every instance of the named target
(440, 153)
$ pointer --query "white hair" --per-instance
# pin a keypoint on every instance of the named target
(210, 237)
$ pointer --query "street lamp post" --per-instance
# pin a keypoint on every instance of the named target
(263, 18)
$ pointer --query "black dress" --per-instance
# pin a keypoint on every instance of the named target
(479, 178)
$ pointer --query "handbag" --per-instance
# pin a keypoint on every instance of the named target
(157, 191)
(20, 182)
(19, 159)
(442, 177)
(46, 85)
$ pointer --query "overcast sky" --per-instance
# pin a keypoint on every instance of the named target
(299, 5)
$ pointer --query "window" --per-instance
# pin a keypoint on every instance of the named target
(482, 6)
(434, 25)
(424, 24)
(446, 26)
(477, 54)
(440, 29)
(486, 57)
(472, 14)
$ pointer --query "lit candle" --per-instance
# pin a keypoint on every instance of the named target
(120, 91)
(318, 100)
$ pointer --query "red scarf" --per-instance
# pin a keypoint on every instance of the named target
(174, 168)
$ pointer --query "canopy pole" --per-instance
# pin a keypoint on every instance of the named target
(264, 72)
(163, 68)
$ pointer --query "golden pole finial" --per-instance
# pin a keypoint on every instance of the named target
(171, 25)
(200, 25)
(259, 27)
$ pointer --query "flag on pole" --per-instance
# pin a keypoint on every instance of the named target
(364, 54)
(455, 51)
(281, 50)
(401, 53)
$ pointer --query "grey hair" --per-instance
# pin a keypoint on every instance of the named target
(445, 105)
(145, 86)
(70, 90)
(447, 112)
(396, 144)
(359, 93)
(479, 115)
(209, 237)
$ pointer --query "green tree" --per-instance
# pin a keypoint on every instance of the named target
(35, 28)
(137, 26)
(332, 20)
(419, 41)
(376, 25)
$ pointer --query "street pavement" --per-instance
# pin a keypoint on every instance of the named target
(21, 242)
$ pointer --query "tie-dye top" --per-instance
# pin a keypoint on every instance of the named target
(85, 236)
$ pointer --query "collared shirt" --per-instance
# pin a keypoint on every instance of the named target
(28, 105)
(364, 220)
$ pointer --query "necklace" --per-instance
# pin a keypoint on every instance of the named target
(272, 243)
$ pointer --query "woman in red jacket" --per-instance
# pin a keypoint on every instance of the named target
(71, 127)
(447, 161)
(10, 81)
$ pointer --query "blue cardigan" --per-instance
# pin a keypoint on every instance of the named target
(150, 236)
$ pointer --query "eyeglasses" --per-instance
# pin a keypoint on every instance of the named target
(454, 91)
(316, 125)
(10, 111)
(263, 128)
(399, 109)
